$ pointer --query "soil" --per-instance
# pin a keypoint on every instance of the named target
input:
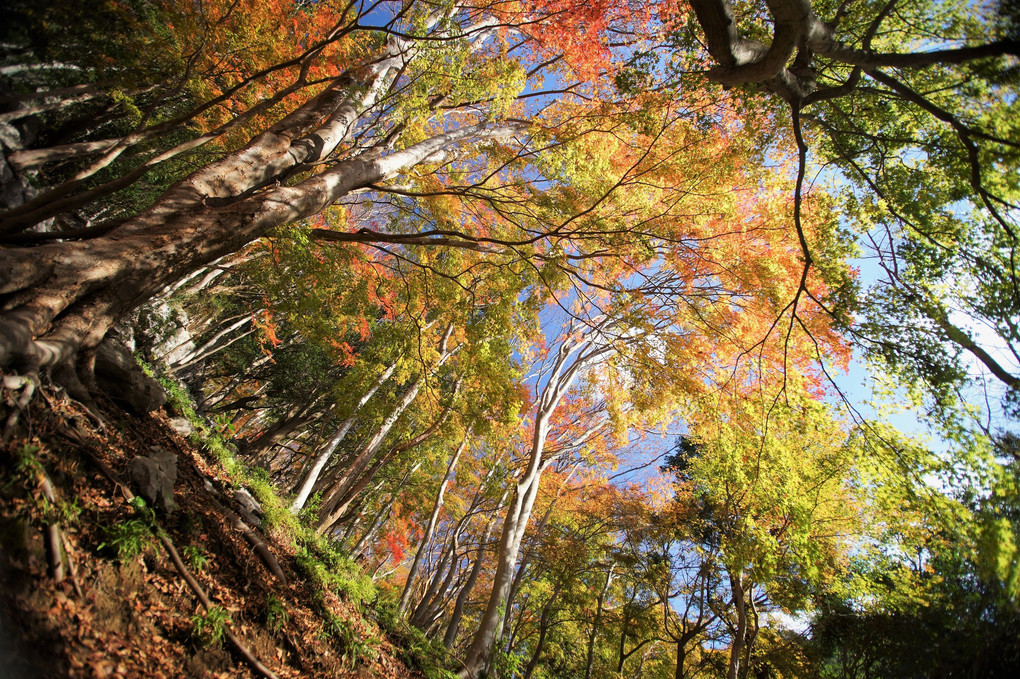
(121, 615)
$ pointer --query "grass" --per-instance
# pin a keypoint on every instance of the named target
(196, 558)
(276, 614)
(131, 537)
(319, 558)
(210, 627)
(355, 647)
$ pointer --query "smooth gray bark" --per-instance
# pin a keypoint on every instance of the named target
(305, 491)
(426, 540)
(573, 357)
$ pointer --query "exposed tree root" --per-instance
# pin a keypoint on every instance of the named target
(58, 546)
(192, 583)
(260, 547)
(27, 384)
(207, 604)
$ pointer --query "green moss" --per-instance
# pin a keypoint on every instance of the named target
(429, 656)
(276, 512)
(329, 569)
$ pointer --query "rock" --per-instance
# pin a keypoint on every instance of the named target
(10, 137)
(124, 333)
(153, 477)
(182, 426)
(251, 510)
(12, 189)
(165, 329)
(119, 376)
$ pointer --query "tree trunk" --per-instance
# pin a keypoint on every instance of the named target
(544, 623)
(439, 585)
(681, 659)
(348, 496)
(334, 496)
(320, 462)
(479, 654)
(212, 346)
(373, 527)
(382, 515)
(465, 592)
(597, 624)
(337, 498)
(296, 417)
(58, 301)
(437, 507)
(522, 569)
(740, 629)
(447, 556)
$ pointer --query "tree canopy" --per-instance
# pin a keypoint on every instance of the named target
(540, 309)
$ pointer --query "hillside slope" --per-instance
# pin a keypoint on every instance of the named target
(119, 602)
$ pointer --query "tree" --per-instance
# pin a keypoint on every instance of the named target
(224, 205)
(438, 184)
(820, 69)
(946, 582)
(765, 491)
(921, 126)
(575, 354)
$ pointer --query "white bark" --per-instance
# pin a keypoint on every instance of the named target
(210, 347)
(430, 528)
(320, 462)
(562, 376)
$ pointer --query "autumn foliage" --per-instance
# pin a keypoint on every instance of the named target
(524, 321)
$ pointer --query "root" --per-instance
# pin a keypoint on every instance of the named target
(72, 570)
(57, 544)
(260, 547)
(55, 551)
(54, 539)
(27, 384)
(65, 375)
(192, 583)
(207, 604)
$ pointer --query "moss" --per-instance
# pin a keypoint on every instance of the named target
(276, 513)
(429, 656)
(328, 568)
(319, 558)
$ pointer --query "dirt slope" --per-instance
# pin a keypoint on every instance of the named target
(123, 609)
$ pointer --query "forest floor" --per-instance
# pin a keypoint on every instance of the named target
(124, 607)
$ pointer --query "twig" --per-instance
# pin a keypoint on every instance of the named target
(267, 556)
(57, 538)
(188, 577)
